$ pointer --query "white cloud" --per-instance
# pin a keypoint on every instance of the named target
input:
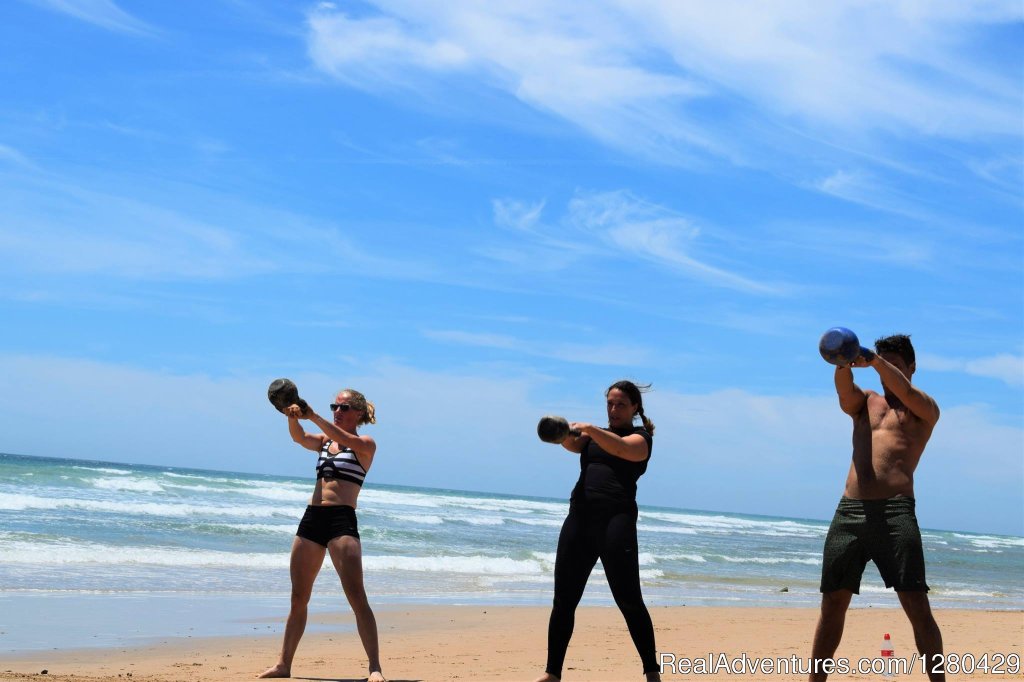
(375, 52)
(1001, 171)
(517, 214)
(633, 74)
(104, 13)
(614, 355)
(727, 450)
(849, 65)
(847, 241)
(572, 63)
(654, 233)
(612, 226)
(733, 450)
(12, 155)
(1004, 367)
(83, 231)
(441, 429)
(861, 188)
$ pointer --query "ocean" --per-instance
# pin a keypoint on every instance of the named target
(101, 554)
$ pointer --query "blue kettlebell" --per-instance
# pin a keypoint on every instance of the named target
(840, 346)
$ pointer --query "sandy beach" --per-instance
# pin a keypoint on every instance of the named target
(508, 643)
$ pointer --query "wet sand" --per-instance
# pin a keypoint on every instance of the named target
(509, 643)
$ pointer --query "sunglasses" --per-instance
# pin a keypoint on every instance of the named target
(344, 407)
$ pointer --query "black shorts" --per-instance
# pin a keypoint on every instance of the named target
(321, 524)
(883, 531)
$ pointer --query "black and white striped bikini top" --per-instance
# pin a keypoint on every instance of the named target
(344, 465)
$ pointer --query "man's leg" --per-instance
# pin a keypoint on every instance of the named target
(842, 565)
(926, 631)
(900, 560)
(829, 631)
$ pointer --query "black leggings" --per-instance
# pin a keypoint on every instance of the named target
(585, 537)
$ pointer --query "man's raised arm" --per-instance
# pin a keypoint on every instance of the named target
(852, 397)
(916, 400)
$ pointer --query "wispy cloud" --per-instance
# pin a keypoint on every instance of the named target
(536, 245)
(1004, 367)
(518, 215)
(614, 355)
(845, 242)
(657, 234)
(848, 65)
(614, 225)
(1002, 171)
(103, 13)
(652, 76)
(572, 64)
(697, 444)
(189, 233)
(174, 409)
(86, 231)
(860, 188)
(375, 52)
(13, 156)
(810, 435)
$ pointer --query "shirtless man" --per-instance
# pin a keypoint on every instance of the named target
(875, 519)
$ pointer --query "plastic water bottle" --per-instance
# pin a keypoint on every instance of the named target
(887, 655)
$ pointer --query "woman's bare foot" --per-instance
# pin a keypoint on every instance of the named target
(279, 670)
(376, 676)
(547, 677)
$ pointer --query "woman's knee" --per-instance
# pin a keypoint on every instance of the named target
(562, 605)
(358, 601)
(354, 590)
(631, 605)
(566, 599)
(300, 597)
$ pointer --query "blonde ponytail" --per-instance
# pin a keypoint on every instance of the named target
(371, 414)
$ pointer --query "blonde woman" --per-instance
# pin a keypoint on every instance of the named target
(329, 524)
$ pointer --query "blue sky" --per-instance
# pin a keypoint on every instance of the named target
(479, 213)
